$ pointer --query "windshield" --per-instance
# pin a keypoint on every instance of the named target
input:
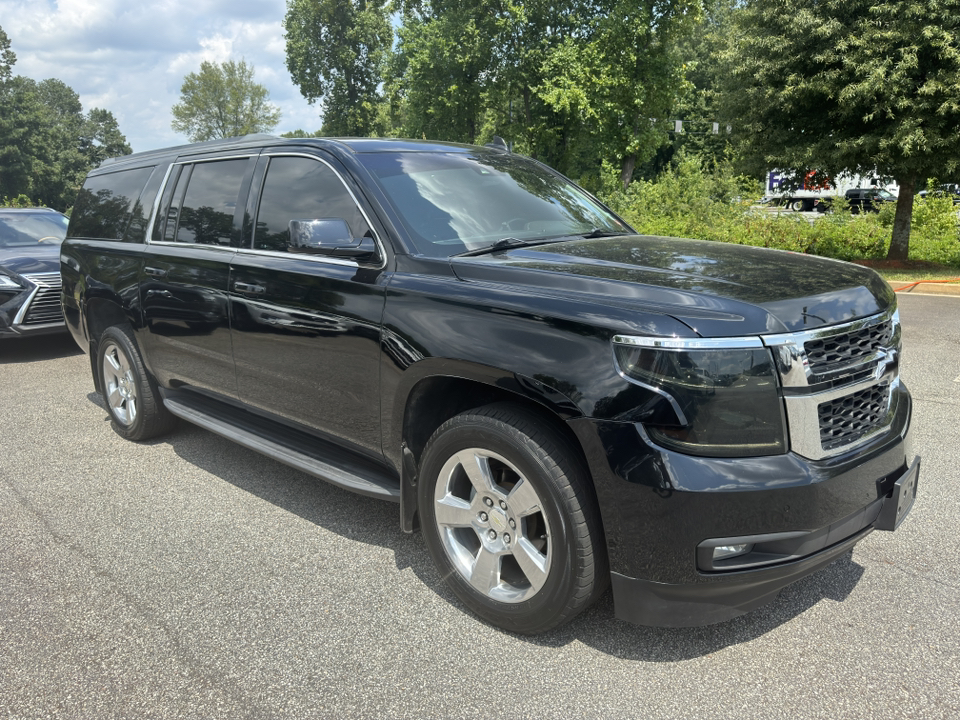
(881, 193)
(456, 202)
(23, 229)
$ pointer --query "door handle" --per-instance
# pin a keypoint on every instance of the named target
(248, 288)
(154, 272)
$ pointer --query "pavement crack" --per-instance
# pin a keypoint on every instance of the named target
(195, 665)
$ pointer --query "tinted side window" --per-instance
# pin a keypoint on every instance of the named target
(298, 188)
(140, 215)
(105, 202)
(210, 201)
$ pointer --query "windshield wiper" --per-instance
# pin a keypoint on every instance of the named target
(504, 243)
(603, 232)
(512, 242)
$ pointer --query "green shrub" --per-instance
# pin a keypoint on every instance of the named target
(689, 201)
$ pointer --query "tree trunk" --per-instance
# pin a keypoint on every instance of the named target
(626, 170)
(900, 241)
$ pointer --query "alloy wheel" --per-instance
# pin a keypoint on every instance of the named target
(492, 525)
(120, 385)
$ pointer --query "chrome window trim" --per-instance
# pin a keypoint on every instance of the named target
(156, 204)
(198, 246)
(163, 186)
(324, 259)
(297, 256)
(676, 343)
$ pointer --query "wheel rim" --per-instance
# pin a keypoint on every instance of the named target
(120, 385)
(492, 525)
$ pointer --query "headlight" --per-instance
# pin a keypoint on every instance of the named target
(8, 283)
(723, 393)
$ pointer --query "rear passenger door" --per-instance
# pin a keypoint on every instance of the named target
(306, 327)
(184, 285)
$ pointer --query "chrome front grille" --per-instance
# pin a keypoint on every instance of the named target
(43, 307)
(838, 383)
(827, 354)
(847, 419)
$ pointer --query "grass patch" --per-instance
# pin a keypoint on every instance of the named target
(898, 271)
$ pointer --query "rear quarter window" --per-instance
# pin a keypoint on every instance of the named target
(106, 202)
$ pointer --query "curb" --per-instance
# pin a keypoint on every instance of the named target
(925, 287)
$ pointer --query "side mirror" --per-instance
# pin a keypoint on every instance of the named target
(328, 236)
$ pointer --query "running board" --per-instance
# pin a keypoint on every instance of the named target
(334, 465)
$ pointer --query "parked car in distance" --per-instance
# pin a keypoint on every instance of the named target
(30, 271)
(557, 403)
(868, 199)
(950, 190)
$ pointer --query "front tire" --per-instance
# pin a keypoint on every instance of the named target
(131, 395)
(510, 519)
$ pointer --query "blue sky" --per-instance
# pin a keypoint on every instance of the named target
(130, 58)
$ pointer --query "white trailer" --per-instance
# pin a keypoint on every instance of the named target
(802, 192)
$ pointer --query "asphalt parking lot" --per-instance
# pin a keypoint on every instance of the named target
(190, 578)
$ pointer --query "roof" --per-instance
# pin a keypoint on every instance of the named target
(354, 145)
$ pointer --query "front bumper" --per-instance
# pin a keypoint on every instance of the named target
(34, 310)
(658, 507)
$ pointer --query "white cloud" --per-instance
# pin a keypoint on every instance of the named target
(131, 58)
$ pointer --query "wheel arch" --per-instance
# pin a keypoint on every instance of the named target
(433, 398)
(101, 313)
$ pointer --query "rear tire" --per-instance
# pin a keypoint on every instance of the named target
(131, 396)
(510, 519)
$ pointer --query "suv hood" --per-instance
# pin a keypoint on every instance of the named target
(717, 289)
(34, 259)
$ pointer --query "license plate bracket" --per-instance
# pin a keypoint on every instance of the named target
(900, 502)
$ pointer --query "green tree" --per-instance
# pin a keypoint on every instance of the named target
(571, 83)
(20, 121)
(864, 86)
(698, 105)
(222, 100)
(100, 137)
(47, 144)
(7, 58)
(623, 73)
(66, 143)
(441, 71)
(336, 51)
(24, 137)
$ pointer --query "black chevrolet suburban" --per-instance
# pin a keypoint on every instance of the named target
(557, 403)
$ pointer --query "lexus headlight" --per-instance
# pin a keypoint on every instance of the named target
(8, 283)
(723, 393)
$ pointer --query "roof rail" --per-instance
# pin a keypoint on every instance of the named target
(222, 142)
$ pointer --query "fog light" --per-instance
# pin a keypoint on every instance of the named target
(729, 551)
